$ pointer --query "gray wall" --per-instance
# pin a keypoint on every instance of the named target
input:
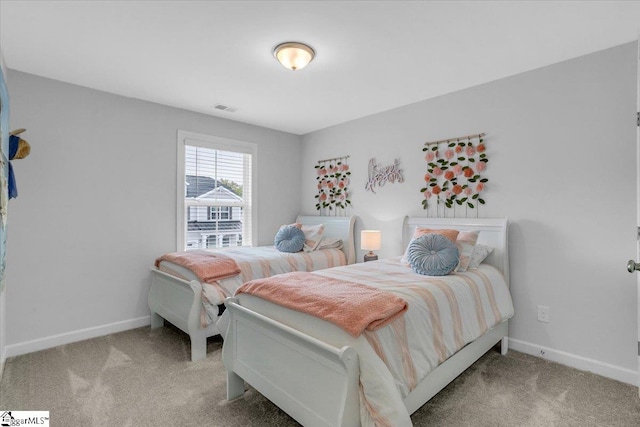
(97, 203)
(561, 143)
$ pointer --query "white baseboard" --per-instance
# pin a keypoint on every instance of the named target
(74, 336)
(578, 362)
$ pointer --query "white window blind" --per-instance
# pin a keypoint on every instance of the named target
(215, 197)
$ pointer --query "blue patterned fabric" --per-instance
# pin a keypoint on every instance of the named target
(433, 255)
(14, 144)
(289, 239)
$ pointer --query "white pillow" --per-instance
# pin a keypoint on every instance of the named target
(312, 235)
(480, 252)
(330, 243)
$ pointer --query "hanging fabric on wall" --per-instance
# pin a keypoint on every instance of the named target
(18, 149)
(454, 176)
(332, 177)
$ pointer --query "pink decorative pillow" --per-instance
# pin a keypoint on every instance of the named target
(465, 242)
(449, 233)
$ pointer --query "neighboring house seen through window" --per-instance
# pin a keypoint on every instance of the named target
(215, 197)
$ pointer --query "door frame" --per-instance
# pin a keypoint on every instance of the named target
(638, 196)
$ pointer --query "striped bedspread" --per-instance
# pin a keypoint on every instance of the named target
(255, 263)
(445, 313)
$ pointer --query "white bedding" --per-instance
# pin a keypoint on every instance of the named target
(255, 263)
(445, 314)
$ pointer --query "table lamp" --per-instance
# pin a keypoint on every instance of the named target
(370, 240)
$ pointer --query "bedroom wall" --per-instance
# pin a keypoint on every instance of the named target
(561, 143)
(97, 205)
(3, 69)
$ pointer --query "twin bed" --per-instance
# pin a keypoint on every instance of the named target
(323, 376)
(177, 296)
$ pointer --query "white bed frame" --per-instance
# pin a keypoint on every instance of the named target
(318, 384)
(178, 301)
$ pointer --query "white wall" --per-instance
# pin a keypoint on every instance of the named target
(561, 144)
(97, 205)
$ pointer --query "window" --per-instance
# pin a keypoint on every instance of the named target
(216, 204)
(223, 212)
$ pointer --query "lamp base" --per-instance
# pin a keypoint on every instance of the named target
(370, 257)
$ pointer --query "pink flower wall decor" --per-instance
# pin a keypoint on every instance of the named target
(454, 179)
(332, 177)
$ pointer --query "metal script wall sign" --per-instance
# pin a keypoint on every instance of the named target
(380, 175)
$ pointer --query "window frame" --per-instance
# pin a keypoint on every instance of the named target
(216, 143)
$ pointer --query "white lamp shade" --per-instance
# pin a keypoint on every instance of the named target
(293, 55)
(370, 240)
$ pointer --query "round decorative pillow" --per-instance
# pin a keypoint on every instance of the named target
(433, 255)
(289, 239)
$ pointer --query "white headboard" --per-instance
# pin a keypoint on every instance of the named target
(494, 232)
(335, 226)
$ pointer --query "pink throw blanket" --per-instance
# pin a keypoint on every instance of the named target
(351, 306)
(207, 266)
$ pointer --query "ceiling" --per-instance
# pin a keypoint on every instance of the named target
(371, 56)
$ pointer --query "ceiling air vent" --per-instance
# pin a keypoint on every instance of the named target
(226, 108)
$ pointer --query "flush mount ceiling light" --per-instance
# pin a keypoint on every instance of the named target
(294, 55)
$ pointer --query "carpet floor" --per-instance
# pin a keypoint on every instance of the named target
(145, 378)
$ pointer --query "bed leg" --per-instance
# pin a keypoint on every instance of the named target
(198, 347)
(235, 385)
(504, 345)
(156, 320)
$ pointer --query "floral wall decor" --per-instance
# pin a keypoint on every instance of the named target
(332, 178)
(380, 175)
(454, 178)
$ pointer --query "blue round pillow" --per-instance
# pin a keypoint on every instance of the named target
(433, 255)
(289, 239)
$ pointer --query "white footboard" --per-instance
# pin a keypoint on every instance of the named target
(315, 383)
(178, 302)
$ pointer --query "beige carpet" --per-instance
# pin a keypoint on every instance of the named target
(144, 378)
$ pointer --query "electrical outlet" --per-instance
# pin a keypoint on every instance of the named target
(543, 313)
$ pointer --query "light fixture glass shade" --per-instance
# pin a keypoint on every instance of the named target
(294, 55)
(370, 240)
